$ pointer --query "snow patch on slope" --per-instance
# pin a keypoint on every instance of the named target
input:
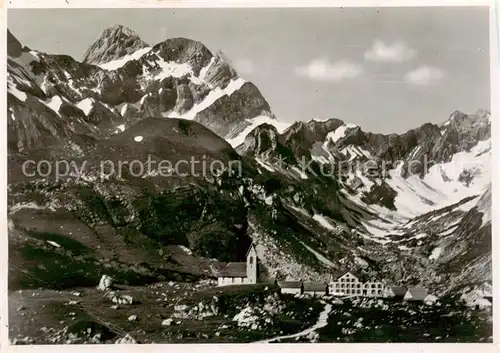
(11, 87)
(442, 186)
(339, 133)
(204, 70)
(54, 103)
(173, 69)
(210, 99)
(320, 257)
(323, 221)
(116, 64)
(85, 105)
(435, 253)
(253, 123)
(264, 165)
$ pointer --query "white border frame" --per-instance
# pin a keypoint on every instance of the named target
(209, 348)
(237, 3)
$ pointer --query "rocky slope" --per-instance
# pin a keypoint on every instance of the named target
(316, 197)
(420, 201)
(113, 44)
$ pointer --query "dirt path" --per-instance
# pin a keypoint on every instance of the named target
(322, 322)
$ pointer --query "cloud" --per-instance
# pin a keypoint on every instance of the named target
(424, 76)
(324, 70)
(396, 52)
(243, 66)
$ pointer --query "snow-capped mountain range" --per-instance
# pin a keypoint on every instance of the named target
(424, 217)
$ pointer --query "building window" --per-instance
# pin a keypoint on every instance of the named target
(359, 285)
(341, 280)
(348, 291)
(359, 291)
(379, 291)
(251, 261)
(380, 285)
(342, 285)
(373, 285)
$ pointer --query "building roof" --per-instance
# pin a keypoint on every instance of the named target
(290, 284)
(315, 286)
(418, 293)
(400, 290)
(234, 269)
(336, 274)
(359, 275)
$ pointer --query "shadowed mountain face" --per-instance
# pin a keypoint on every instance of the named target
(315, 197)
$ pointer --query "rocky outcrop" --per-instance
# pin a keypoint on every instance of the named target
(263, 142)
(220, 72)
(184, 50)
(229, 111)
(14, 47)
(185, 99)
(114, 43)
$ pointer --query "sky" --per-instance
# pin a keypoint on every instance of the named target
(385, 69)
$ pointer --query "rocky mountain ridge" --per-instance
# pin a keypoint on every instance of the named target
(409, 222)
(176, 78)
(114, 43)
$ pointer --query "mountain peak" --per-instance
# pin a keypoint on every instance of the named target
(457, 114)
(483, 113)
(117, 28)
(114, 43)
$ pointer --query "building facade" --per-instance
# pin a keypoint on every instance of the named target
(316, 289)
(351, 284)
(373, 289)
(291, 287)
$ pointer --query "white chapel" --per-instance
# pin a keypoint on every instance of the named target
(235, 273)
